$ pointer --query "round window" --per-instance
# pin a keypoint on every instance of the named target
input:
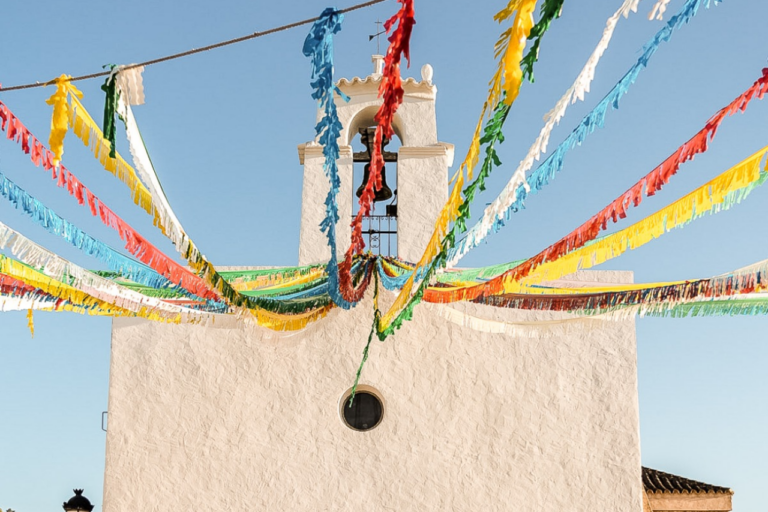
(366, 410)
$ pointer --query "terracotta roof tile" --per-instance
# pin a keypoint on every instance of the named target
(657, 481)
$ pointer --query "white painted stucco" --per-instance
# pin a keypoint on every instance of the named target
(240, 419)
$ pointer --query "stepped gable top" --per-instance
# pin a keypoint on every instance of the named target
(659, 482)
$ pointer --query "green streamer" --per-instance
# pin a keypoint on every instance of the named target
(376, 317)
(110, 109)
(550, 11)
(491, 135)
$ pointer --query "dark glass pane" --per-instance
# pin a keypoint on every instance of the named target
(365, 412)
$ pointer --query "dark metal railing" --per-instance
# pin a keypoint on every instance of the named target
(380, 234)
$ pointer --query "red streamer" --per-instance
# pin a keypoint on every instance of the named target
(136, 244)
(391, 90)
(617, 209)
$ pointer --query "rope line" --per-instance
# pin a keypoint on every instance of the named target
(195, 50)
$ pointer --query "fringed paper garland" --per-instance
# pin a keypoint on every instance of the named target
(648, 185)
(130, 83)
(319, 47)
(584, 300)
(658, 10)
(110, 107)
(62, 114)
(87, 130)
(253, 279)
(135, 243)
(504, 86)
(108, 291)
(391, 91)
(153, 201)
(518, 188)
(576, 92)
(60, 290)
(719, 194)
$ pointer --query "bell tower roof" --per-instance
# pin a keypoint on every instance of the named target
(423, 89)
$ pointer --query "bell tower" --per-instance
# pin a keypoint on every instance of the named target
(421, 165)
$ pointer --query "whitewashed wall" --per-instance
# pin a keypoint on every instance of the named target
(239, 419)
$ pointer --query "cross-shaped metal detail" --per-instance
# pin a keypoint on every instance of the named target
(377, 35)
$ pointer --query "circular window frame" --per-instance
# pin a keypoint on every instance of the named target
(344, 401)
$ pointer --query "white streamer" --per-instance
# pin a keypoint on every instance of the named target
(658, 10)
(65, 271)
(576, 92)
(131, 84)
(148, 175)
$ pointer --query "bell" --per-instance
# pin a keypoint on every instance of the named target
(383, 193)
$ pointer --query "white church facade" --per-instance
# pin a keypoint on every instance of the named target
(245, 419)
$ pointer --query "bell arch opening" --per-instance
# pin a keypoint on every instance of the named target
(366, 118)
(380, 227)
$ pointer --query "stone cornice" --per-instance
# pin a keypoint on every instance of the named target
(439, 149)
(314, 150)
(370, 85)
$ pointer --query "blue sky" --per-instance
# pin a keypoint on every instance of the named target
(222, 128)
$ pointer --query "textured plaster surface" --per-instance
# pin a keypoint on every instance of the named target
(240, 419)
(422, 190)
(313, 243)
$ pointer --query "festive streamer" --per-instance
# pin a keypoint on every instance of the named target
(135, 243)
(62, 114)
(166, 220)
(391, 92)
(589, 300)
(84, 126)
(376, 316)
(110, 106)
(574, 93)
(648, 185)
(319, 47)
(108, 291)
(60, 290)
(550, 10)
(456, 209)
(251, 279)
(719, 194)
(658, 10)
(86, 129)
(515, 192)
(567, 326)
(131, 84)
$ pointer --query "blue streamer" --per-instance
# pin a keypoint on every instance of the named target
(396, 283)
(595, 119)
(319, 47)
(54, 224)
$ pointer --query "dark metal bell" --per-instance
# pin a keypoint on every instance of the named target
(383, 193)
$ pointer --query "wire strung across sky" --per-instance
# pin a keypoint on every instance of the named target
(196, 50)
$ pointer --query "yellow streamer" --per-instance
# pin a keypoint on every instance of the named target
(31, 323)
(62, 114)
(277, 284)
(507, 78)
(710, 197)
(77, 297)
(86, 129)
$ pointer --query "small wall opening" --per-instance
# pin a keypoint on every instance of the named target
(366, 411)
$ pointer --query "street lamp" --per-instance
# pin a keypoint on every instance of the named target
(78, 503)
